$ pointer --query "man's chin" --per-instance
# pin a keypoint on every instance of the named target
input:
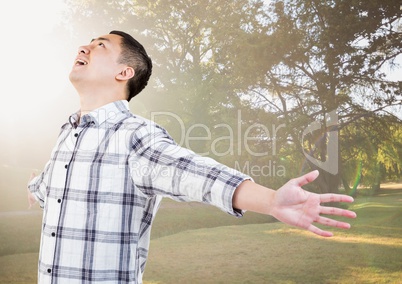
(74, 76)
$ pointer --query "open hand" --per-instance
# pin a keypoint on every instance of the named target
(295, 206)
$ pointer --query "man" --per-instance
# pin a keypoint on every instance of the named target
(109, 170)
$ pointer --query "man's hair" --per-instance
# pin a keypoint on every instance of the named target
(134, 55)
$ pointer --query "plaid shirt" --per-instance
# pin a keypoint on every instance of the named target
(102, 187)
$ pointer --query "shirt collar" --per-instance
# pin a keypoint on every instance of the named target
(109, 112)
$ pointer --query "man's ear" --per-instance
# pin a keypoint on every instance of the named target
(126, 74)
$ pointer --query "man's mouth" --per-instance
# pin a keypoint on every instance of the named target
(80, 62)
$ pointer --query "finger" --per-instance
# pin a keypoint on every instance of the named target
(32, 176)
(31, 199)
(319, 232)
(332, 223)
(307, 178)
(337, 212)
(331, 197)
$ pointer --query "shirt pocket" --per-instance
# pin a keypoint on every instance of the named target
(99, 180)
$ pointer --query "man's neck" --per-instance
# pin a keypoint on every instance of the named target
(89, 103)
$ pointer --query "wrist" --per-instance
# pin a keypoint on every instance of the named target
(254, 197)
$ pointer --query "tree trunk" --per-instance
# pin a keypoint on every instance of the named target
(328, 183)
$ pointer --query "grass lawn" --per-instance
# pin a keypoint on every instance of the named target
(199, 244)
(370, 252)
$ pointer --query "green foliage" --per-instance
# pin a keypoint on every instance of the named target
(281, 63)
(376, 144)
(320, 56)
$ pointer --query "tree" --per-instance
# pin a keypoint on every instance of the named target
(315, 66)
(368, 157)
(321, 58)
(183, 38)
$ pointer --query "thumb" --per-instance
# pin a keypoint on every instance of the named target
(307, 178)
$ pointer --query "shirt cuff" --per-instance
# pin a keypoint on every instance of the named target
(34, 187)
(232, 184)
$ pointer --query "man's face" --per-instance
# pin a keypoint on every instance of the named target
(97, 62)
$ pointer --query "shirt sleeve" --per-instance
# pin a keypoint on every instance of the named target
(159, 166)
(37, 186)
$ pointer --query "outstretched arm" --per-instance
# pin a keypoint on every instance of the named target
(293, 205)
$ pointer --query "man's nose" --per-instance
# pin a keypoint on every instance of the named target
(83, 49)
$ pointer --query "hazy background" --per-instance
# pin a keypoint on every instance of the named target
(35, 91)
(37, 98)
(39, 46)
(234, 75)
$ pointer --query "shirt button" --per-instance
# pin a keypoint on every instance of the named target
(53, 234)
(66, 166)
(58, 200)
(76, 135)
(49, 270)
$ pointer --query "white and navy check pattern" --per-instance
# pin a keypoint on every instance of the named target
(102, 187)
